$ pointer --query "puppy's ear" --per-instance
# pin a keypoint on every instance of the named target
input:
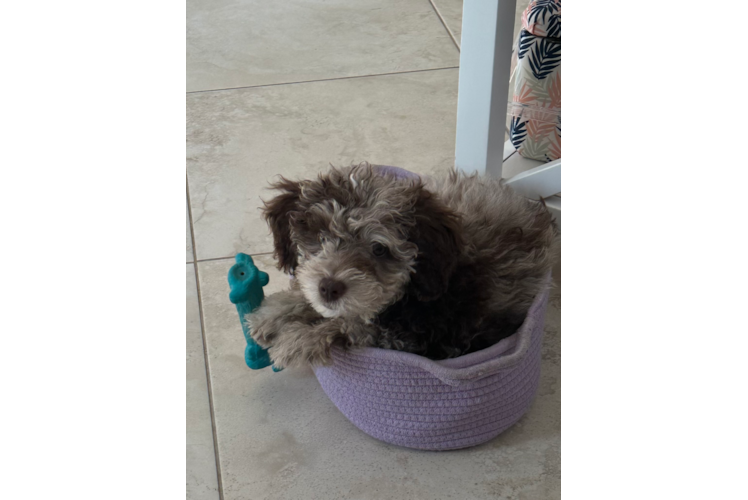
(276, 213)
(437, 233)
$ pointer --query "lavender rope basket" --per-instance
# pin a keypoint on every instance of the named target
(408, 400)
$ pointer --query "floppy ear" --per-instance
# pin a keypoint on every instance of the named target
(276, 213)
(437, 234)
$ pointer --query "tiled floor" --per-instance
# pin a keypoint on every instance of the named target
(318, 87)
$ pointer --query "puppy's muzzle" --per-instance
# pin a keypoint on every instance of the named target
(331, 290)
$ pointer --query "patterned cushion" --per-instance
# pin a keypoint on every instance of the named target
(536, 108)
(543, 18)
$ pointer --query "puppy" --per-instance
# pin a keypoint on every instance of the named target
(439, 268)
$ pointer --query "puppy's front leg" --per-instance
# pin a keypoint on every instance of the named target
(294, 332)
(297, 335)
(301, 344)
(277, 312)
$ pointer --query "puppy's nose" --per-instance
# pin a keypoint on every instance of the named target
(331, 290)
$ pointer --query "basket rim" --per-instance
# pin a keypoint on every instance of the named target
(474, 366)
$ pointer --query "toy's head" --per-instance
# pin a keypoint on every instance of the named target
(246, 281)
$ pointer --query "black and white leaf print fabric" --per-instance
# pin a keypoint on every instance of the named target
(545, 56)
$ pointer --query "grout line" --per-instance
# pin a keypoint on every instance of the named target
(444, 23)
(324, 79)
(230, 257)
(205, 349)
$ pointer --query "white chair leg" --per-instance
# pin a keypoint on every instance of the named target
(539, 182)
(485, 56)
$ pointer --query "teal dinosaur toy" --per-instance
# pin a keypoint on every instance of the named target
(246, 282)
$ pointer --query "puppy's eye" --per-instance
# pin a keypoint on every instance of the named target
(297, 218)
(379, 250)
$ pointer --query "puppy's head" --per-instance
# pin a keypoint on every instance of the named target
(357, 241)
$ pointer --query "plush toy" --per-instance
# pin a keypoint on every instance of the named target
(246, 282)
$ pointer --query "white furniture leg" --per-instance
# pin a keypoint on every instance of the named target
(538, 182)
(485, 57)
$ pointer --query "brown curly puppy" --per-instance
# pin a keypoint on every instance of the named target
(438, 267)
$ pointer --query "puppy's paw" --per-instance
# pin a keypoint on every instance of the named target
(262, 330)
(301, 344)
(290, 355)
(276, 311)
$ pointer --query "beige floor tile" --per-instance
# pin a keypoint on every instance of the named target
(280, 437)
(451, 11)
(239, 140)
(238, 43)
(190, 255)
(202, 481)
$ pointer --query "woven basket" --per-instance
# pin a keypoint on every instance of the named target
(408, 400)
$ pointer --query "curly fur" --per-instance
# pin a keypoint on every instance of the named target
(463, 258)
